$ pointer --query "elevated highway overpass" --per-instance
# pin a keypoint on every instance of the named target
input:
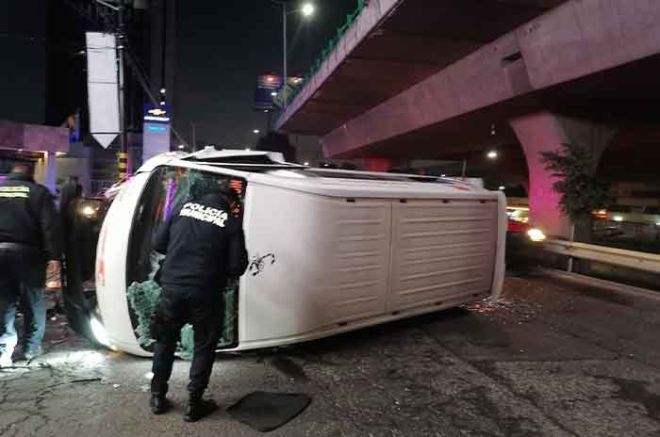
(432, 78)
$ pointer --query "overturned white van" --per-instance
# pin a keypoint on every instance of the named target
(330, 250)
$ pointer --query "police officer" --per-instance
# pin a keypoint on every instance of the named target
(204, 246)
(29, 237)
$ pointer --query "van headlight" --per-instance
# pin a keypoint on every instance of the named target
(99, 332)
(536, 235)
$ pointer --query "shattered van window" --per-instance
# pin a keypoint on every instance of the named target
(167, 190)
(143, 298)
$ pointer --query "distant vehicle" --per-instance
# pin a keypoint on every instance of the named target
(522, 240)
(330, 250)
(616, 216)
(608, 231)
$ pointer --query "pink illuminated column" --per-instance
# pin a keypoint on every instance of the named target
(377, 164)
(544, 131)
(538, 133)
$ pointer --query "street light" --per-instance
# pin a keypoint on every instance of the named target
(307, 10)
(256, 131)
(492, 154)
(193, 127)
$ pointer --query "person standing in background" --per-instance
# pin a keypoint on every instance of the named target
(70, 191)
(30, 249)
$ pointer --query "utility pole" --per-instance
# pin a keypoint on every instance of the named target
(194, 136)
(284, 52)
(125, 58)
(269, 121)
(307, 10)
(193, 128)
(122, 158)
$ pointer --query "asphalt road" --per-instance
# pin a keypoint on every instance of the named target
(550, 359)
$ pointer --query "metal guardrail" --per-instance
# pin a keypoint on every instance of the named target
(648, 262)
(616, 287)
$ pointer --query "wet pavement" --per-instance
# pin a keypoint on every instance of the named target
(551, 358)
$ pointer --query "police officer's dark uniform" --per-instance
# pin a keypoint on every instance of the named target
(204, 246)
(29, 237)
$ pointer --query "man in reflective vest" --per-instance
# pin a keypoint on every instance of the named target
(29, 238)
(204, 246)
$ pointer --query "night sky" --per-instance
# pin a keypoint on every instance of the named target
(224, 45)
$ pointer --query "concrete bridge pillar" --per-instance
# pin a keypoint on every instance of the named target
(545, 131)
(377, 164)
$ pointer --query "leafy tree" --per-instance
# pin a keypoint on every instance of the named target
(581, 191)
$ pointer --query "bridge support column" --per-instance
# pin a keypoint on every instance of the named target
(544, 131)
(377, 164)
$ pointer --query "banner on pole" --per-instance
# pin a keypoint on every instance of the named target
(103, 87)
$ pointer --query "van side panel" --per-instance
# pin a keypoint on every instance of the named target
(331, 259)
(321, 262)
(441, 250)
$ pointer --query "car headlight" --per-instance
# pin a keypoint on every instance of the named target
(88, 211)
(536, 235)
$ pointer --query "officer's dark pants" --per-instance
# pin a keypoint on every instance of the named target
(22, 276)
(177, 307)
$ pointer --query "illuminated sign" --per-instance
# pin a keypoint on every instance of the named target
(156, 130)
(156, 113)
(155, 139)
(268, 85)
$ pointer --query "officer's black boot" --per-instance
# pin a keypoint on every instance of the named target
(198, 408)
(159, 404)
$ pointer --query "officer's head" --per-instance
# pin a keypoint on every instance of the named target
(228, 193)
(22, 169)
